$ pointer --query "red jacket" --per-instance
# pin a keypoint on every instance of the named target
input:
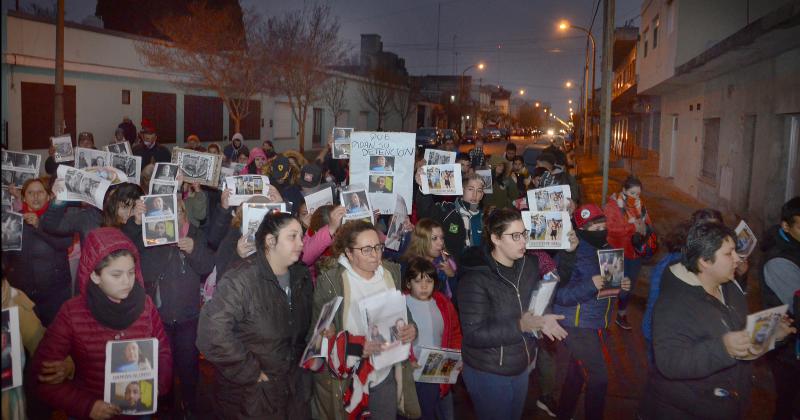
(620, 231)
(75, 332)
(451, 333)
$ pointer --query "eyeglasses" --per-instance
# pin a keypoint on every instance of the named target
(516, 236)
(368, 250)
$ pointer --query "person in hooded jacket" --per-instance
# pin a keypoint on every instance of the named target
(235, 148)
(41, 268)
(703, 351)
(499, 346)
(585, 317)
(112, 306)
(254, 329)
(173, 275)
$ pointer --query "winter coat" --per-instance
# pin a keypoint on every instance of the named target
(219, 226)
(576, 296)
(447, 215)
(157, 153)
(232, 154)
(655, 290)
(620, 232)
(41, 270)
(691, 360)
(65, 220)
(504, 192)
(490, 307)
(451, 331)
(315, 244)
(76, 333)
(251, 326)
(328, 390)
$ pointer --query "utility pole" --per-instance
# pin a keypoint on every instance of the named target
(438, 25)
(58, 108)
(605, 94)
(455, 54)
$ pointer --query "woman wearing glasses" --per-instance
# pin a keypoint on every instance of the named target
(499, 346)
(359, 271)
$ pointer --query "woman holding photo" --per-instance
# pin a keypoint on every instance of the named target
(427, 242)
(254, 329)
(357, 270)
(499, 346)
(112, 306)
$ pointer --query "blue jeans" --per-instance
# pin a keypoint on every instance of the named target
(433, 406)
(632, 268)
(496, 396)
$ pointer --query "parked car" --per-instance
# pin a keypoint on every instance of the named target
(470, 136)
(490, 134)
(428, 137)
(505, 133)
(449, 133)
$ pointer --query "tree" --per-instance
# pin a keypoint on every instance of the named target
(378, 92)
(333, 96)
(404, 103)
(298, 47)
(209, 49)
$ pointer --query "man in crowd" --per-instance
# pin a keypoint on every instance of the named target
(149, 149)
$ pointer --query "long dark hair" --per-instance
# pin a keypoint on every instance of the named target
(125, 194)
(497, 223)
(272, 224)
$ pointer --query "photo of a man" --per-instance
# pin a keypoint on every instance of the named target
(380, 184)
(157, 206)
(381, 163)
(128, 396)
(131, 357)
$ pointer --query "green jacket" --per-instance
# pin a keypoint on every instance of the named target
(328, 390)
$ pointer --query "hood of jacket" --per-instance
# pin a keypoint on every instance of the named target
(99, 243)
(683, 274)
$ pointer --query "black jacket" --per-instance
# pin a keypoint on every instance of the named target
(157, 153)
(490, 308)
(65, 220)
(447, 214)
(691, 360)
(252, 326)
(41, 270)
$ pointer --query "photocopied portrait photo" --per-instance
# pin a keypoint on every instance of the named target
(381, 163)
(131, 371)
(131, 356)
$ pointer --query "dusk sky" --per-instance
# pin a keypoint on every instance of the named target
(533, 54)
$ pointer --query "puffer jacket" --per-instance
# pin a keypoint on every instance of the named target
(576, 297)
(76, 333)
(620, 232)
(691, 360)
(251, 326)
(490, 306)
(41, 270)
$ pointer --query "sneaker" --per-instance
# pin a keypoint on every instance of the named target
(547, 404)
(622, 322)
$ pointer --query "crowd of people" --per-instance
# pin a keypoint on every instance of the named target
(248, 305)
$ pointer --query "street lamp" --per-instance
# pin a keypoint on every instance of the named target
(521, 92)
(569, 101)
(536, 104)
(480, 66)
(564, 25)
(568, 84)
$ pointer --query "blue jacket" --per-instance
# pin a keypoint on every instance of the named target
(576, 298)
(655, 290)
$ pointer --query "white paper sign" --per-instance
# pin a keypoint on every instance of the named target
(12, 231)
(341, 143)
(19, 167)
(384, 314)
(547, 229)
(244, 187)
(131, 379)
(438, 366)
(394, 235)
(745, 239)
(316, 346)
(160, 220)
(486, 176)
(63, 148)
(82, 186)
(12, 349)
(555, 198)
(384, 161)
(761, 327)
(315, 200)
(253, 214)
(439, 157)
(442, 179)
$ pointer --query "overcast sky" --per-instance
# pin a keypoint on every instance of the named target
(517, 39)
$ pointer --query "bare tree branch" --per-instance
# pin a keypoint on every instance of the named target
(378, 92)
(333, 96)
(404, 102)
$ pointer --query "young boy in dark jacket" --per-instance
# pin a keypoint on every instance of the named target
(585, 317)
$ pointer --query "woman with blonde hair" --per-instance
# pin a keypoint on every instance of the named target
(427, 242)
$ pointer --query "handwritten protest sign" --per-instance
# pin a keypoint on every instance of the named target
(384, 160)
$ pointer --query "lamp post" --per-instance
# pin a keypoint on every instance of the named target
(480, 66)
(564, 25)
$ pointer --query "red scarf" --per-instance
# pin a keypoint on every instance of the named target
(39, 213)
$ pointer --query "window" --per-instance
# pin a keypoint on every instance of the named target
(126, 97)
(37, 114)
(646, 34)
(670, 17)
(710, 147)
(159, 108)
(202, 115)
(250, 126)
(655, 32)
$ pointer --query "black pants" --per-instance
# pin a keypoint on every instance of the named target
(586, 366)
(185, 360)
(785, 372)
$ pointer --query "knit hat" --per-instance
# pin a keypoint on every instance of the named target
(587, 213)
(148, 126)
(310, 176)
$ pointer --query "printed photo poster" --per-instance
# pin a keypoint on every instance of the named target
(12, 231)
(356, 203)
(6, 200)
(438, 365)
(317, 348)
(555, 198)
(317, 199)
(121, 148)
(384, 161)
(80, 185)
(12, 349)
(253, 214)
(130, 165)
(745, 239)
(383, 315)
(131, 379)
(486, 176)
(91, 158)
(63, 148)
(761, 327)
(19, 167)
(244, 187)
(439, 157)
(547, 229)
(341, 143)
(160, 220)
(612, 270)
(200, 167)
(442, 179)
(543, 295)
(394, 235)
(163, 179)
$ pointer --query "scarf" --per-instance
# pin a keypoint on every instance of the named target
(117, 316)
(39, 213)
(466, 217)
(631, 206)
